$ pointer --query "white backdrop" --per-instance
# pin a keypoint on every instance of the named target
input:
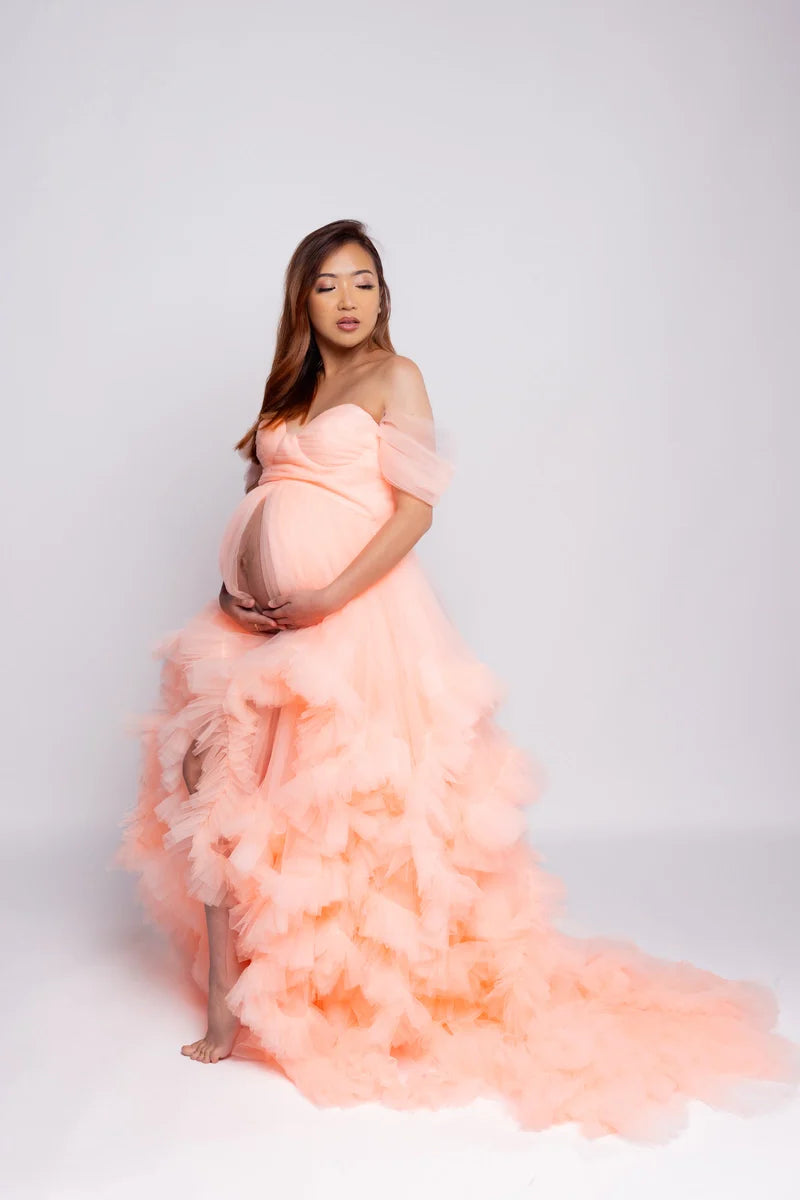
(588, 216)
(588, 222)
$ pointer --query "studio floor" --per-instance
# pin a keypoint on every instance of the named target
(98, 1102)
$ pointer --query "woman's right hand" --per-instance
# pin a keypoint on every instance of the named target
(246, 613)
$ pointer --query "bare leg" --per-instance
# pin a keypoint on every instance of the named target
(223, 971)
(223, 966)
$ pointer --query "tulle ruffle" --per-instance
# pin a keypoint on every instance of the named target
(365, 813)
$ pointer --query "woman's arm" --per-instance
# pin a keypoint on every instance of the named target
(394, 539)
(412, 516)
(252, 476)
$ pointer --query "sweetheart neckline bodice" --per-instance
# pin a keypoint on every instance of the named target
(288, 432)
(401, 452)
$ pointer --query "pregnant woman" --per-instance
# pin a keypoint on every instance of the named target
(330, 822)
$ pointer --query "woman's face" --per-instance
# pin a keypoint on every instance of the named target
(344, 300)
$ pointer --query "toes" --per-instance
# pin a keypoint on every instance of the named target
(203, 1050)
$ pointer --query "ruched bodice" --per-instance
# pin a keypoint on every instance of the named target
(337, 450)
(400, 449)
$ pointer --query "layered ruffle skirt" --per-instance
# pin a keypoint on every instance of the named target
(363, 813)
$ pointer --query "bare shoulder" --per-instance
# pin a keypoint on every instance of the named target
(403, 387)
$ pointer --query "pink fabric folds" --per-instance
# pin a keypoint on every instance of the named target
(363, 813)
(408, 456)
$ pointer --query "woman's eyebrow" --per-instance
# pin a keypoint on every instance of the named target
(333, 275)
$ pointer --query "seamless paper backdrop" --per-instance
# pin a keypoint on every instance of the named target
(588, 221)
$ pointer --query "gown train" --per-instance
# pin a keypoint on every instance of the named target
(364, 814)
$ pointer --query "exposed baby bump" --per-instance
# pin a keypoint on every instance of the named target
(251, 573)
(298, 536)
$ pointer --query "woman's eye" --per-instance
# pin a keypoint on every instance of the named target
(364, 286)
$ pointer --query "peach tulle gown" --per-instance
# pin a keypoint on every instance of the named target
(364, 811)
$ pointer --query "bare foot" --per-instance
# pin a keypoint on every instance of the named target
(222, 1028)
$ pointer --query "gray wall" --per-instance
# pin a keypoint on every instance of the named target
(588, 218)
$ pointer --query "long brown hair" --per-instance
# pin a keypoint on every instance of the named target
(297, 363)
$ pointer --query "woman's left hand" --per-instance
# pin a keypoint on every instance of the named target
(293, 610)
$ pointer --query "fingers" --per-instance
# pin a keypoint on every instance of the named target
(279, 607)
(277, 614)
(264, 625)
(279, 601)
(279, 625)
(263, 619)
(253, 618)
(284, 622)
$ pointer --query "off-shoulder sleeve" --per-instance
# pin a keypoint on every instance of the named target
(409, 458)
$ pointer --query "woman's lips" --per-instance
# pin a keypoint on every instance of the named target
(348, 323)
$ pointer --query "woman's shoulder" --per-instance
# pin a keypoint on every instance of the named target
(399, 369)
(403, 387)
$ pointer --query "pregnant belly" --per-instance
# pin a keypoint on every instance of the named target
(290, 534)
